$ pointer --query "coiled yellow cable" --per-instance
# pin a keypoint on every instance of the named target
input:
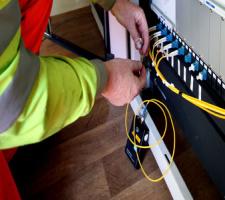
(207, 107)
(165, 129)
(158, 142)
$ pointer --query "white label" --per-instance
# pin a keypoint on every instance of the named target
(172, 61)
(178, 67)
(192, 83)
(199, 92)
(184, 74)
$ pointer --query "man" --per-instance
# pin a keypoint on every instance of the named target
(41, 95)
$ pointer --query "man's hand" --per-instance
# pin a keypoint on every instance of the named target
(125, 80)
(133, 18)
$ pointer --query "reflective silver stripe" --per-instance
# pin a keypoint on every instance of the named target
(14, 98)
(9, 23)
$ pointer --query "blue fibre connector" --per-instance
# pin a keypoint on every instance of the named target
(195, 66)
(159, 26)
(169, 38)
(202, 75)
(175, 44)
(181, 51)
(188, 58)
(164, 31)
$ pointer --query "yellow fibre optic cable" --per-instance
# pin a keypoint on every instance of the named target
(126, 129)
(155, 180)
(153, 49)
(205, 104)
(215, 110)
(212, 112)
(157, 54)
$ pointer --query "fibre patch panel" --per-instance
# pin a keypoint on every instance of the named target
(193, 71)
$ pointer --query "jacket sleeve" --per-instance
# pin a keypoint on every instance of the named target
(106, 4)
(64, 91)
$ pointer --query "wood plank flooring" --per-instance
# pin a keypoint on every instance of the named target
(86, 160)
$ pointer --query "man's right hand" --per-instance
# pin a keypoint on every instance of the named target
(126, 78)
(132, 17)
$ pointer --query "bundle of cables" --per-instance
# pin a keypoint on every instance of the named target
(207, 107)
(165, 112)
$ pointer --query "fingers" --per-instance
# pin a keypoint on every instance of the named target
(139, 32)
(136, 66)
(138, 41)
(142, 26)
(143, 29)
(123, 83)
(138, 84)
(142, 78)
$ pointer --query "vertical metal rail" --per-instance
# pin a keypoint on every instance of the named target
(108, 55)
(173, 179)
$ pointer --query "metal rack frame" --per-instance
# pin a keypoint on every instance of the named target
(49, 34)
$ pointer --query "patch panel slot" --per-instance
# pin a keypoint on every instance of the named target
(180, 70)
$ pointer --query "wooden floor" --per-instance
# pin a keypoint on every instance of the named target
(86, 160)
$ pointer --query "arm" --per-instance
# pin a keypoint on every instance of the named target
(63, 91)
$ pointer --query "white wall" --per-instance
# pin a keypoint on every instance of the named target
(62, 6)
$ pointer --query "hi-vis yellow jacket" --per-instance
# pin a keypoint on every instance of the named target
(40, 95)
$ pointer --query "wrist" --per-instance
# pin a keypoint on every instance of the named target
(102, 74)
(118, 5)
(107, 71)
